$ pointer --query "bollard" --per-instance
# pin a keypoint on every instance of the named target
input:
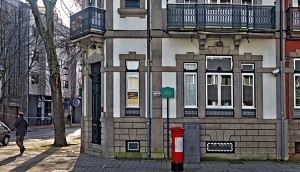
(177, 149)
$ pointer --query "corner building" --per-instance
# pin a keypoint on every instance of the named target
(218, 55)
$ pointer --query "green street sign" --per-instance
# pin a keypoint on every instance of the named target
(167, 92)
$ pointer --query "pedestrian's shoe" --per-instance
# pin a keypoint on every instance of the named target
(22, 151)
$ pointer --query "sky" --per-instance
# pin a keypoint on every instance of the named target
(65, 8)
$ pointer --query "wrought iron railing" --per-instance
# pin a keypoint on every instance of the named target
(228, 16)
(293, 19)
(89, 20)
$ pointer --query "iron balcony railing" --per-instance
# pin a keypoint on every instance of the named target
(220, 16)
(293, 19)
(89, 20)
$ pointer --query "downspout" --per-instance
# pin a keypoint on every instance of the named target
(148, 82)
(282, 63)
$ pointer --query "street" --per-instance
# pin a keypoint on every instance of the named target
(47, 133)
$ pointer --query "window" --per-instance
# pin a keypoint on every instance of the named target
(34, 78)
(297, 83)
(132, 3)
(248, 86)
(65, 84)
(36, 56)
(219, 89)
(190, 1)
(190, 85)
(132, 85)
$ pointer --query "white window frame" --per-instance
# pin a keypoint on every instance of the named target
(295, 75)
(253, 91)
(190, 73)
(219, 106)
(219, 57)
(218, 2)
(129, 74)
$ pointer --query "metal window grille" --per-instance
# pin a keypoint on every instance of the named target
(220, 147)
(132, 146)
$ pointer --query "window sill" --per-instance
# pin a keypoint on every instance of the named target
(132, 12)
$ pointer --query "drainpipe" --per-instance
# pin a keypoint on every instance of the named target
(148, 82)
(282, 65)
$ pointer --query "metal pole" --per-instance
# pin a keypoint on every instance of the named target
(168, 132)
(282, 63)
(148, 82)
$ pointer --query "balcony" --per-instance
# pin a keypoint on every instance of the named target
(293, 21)
(88, 21)
(220, 17)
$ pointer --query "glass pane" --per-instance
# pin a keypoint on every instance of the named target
(190, 90)
(190, 1)
(212, 90)
(133, 89)
(297, 90)
(216, 63)
(132, 65)
(225, 1)
(247, 2)
(226, 90)
(132, 3)
(248, 90)
(190, 66)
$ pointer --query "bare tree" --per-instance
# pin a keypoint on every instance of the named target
(45, 27)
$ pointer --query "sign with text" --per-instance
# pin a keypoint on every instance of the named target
(167, 92)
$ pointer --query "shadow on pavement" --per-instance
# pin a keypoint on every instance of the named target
(9, 160)
(35, 160)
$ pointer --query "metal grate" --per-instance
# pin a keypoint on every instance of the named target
(132, 112)
(132, 146)
(190, 112)
(219, 147)
(249, 113)
(219, 112)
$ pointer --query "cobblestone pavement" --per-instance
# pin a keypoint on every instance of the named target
(41, 157)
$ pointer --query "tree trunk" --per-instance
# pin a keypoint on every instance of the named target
(46, 31)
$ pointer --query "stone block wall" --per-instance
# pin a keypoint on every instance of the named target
(293, 139)
(254, 139)
(130, 129)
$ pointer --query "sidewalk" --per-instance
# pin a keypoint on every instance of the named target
(51, 159)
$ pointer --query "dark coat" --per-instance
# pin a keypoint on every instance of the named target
(21, 126)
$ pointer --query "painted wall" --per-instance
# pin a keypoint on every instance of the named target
(116, 101)
(172, 46)
(128, 23)
(124, 46)
(269, 96)
(169, 80)
(265, 47)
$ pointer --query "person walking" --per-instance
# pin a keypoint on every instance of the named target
(20, 126)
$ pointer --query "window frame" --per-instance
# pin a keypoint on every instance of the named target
(137, 5)
(219, 90)
(193, 73)
(132, 71)
(253, 91)
(65, 84)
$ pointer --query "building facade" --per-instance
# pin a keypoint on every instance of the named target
(221, 58)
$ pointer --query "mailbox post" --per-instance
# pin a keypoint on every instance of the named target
(177, 149)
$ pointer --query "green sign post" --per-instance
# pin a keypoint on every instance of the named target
(167, 92)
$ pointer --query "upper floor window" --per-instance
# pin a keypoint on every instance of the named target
(92, 3)
(65, 84)
(190, 1)
(132, 3)
(219, 1)
(132, 85)
(190, 85)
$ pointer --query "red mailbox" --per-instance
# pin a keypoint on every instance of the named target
(177, 148)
